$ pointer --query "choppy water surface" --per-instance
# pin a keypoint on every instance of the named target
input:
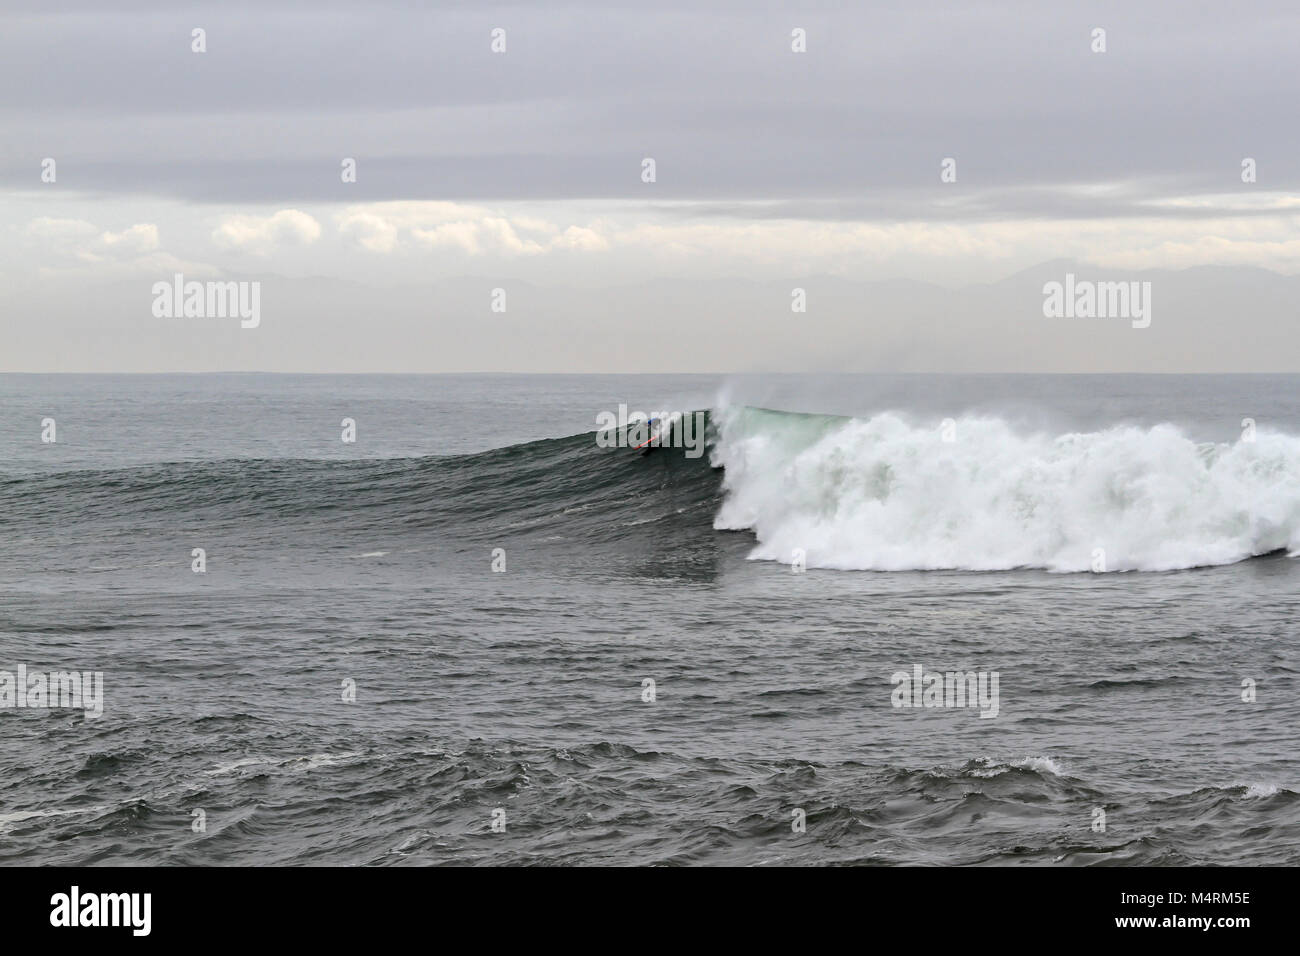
(370, 565)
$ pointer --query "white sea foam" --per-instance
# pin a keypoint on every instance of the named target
(306, 762)
(1262, 790)
(1040, 765)
(991, 767)
(888, 494)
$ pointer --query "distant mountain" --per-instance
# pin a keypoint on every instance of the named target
(1224, 319)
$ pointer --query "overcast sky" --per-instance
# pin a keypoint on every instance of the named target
(526, 165)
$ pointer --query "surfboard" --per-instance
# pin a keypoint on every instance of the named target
(660, 431)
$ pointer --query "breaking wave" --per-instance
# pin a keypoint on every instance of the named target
(887, 494)
(884, 493)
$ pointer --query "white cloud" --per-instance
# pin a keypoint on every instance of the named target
(489, 235)
(262, 235)
(371, 232)
(140, 238)
(580, 237)
(79, 239)
(471, 230)
(596, 242)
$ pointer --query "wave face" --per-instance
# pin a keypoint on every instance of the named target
(556, 485)
(886, 494)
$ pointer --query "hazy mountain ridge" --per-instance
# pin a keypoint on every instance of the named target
(1203, 319)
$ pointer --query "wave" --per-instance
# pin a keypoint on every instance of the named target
(881, 493)
(886, 494)
(568, 486)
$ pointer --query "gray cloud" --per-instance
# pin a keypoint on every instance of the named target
(855, 127)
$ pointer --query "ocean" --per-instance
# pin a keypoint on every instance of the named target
(475, 636)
